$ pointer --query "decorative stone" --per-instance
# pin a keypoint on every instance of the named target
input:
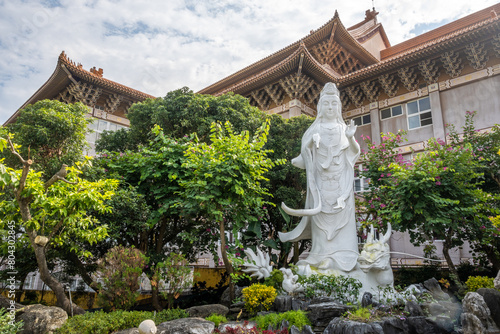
(367, 299)
(496, 281)
(283, 303)
(236, 324)
(322, 314)
(41, 319)
(436, 309)
(474, 307)
(225, 299)
(435, 289)
(492, 299)
(423, 325)
(147, 327)
(413, 309)
(299, 304)
(453, 309)
(204, 311)
(186, 326)
(395, 326)
(342, 326)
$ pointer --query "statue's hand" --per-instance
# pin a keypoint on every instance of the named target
(351, 129)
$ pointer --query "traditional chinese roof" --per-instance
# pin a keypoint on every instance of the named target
(68, 72)
(473, 28)
(326, 53)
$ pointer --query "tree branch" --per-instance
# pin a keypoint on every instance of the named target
(26, 168)
(59, 176)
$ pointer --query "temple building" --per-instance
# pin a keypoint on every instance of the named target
(108, 101)
(419, 85)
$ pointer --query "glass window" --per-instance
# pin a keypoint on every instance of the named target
(366, 119)
(360, 183)
(362, 120)
(420, 111)
(102, 125)
(391, 112)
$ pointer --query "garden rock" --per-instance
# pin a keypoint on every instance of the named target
(367, 299)
(423, 325)
(413, 309)
(476, 316)
(322, 314)
(492, 299)
(204, 311)
(435, 289)
(225, 299)
(283, 303)
(453, 309)
(436, 309)
(395, 326)
(5, 303)
(496, 281)
(445, 323)
(305, 330)
(128, 331)
(186, 326)
(299, 304)
(147, 327)
(342, 326)
(40, 319)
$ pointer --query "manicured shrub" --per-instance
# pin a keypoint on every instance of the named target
(275, 280)
(477, 282)
(217, 319)
(258, 297)
(294, 318)
(105, 323)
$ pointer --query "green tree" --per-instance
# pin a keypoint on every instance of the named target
(175, 274)
(224, 181)
(437, 195)
(51, 211)
(179, 113)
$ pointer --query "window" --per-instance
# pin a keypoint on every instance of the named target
(419, 113)
(100, 125)
(391, 112)
(360, 183)
(362, 120)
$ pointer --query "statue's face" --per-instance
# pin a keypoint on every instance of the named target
(330, 107)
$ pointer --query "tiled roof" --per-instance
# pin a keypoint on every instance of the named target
(96, 78)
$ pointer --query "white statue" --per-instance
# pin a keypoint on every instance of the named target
(259, 266)
(290, 284)
(328, 153)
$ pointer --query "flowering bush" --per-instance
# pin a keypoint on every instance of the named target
(477, 282)
(344, 289)
(258, 297)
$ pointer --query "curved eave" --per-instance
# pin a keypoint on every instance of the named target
(482, 30)
(285, 67)
(314, 37)
(113, 86)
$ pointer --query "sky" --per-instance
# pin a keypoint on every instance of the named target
(157, 46)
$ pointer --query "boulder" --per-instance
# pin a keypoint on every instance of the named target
(413, 309)
(435, 289)
(225, 300)
(283, 303)
(423, 325)
(322, 314)
(474, 306)
(186, 326)
(128, 331)
(204, 311)
(436, 309)
(367, 299)
(299, 304)
(6, 303)
(492, 299)
(395, 326)
(496, 281)
(305, 330)
(338, 325)
(453, 309)
(41, 319)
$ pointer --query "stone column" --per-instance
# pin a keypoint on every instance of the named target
(375, 126)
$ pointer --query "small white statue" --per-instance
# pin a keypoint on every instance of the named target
(290, 284)
(259, 266)
(147, 327)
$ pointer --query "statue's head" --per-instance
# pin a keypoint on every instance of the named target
(329, 105)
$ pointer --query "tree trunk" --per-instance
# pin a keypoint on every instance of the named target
(451, 265)
(225, 259)
(155, 297)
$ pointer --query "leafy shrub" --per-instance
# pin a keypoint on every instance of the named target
(477, 282)
(120, 269)
(6, 327)
(175, 274)
(344, 289)
(275, 280)
(105, 323)
(217, 319)
(258, 297)
(297, 318)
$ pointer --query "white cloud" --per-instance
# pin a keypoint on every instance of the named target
(159, 45)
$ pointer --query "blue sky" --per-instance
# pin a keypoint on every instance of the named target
(161, 45)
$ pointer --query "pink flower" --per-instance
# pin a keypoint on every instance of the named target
(389, 174)
(445, 168)
(383, 205)
(438, 183)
